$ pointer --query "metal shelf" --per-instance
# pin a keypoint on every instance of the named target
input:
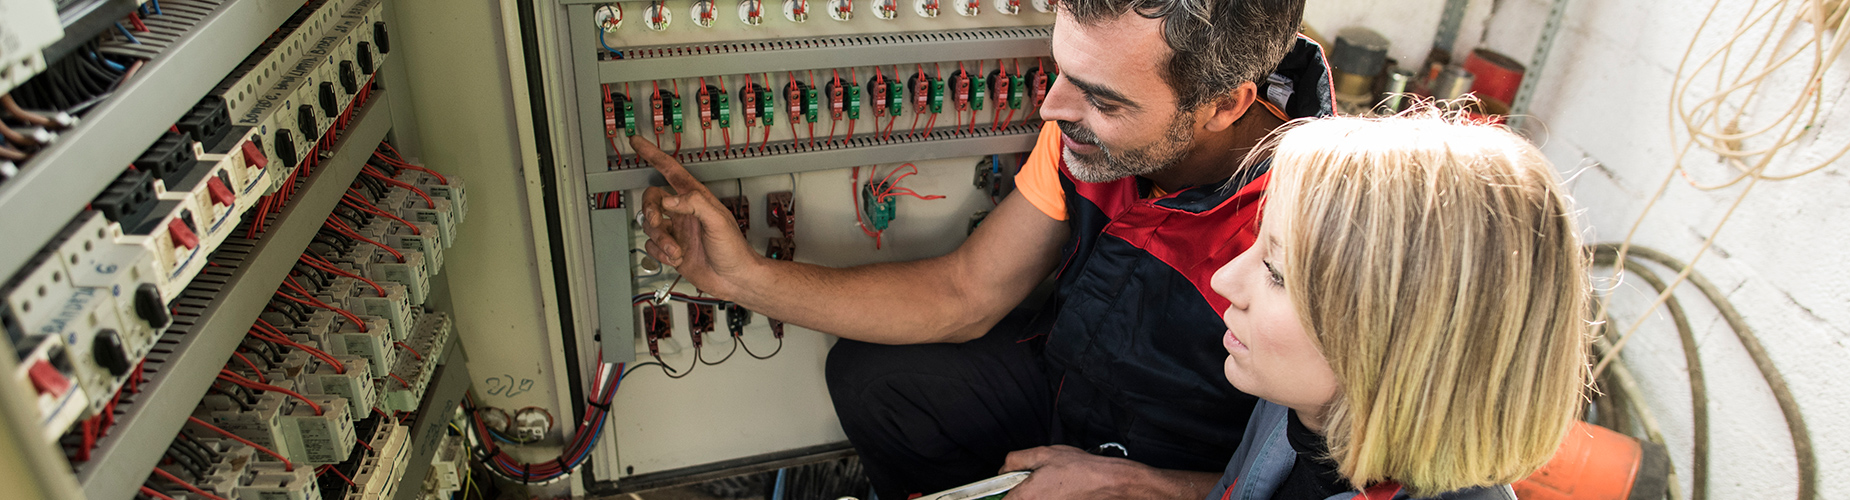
(59, 181)
(446, 393)
(1014, 140)
(829, 52)
(221, 305)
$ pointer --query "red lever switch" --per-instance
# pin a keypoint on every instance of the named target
(182, 235)
(47, 380)
(221, 193)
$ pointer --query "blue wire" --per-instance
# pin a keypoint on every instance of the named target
(157, 7)
(125, 33)
(600, 41)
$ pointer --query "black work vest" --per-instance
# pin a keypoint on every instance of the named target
(1135, 345)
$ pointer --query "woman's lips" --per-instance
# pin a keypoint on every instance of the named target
(1232, 343)
(1076, 146)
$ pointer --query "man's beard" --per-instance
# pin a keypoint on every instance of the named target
(1110, 164)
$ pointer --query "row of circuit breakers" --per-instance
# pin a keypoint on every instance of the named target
(659, 16)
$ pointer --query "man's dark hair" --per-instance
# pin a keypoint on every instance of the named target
(1216, 45)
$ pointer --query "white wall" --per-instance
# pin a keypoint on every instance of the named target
(1602, 107)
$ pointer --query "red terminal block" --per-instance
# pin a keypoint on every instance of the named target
(921, 92)
(700, 318)
(705, 99)
(658, 324)
(793, 100)
(741, 208)
(877, 90)
(960, 90)
(780, 213)
(1037, 86)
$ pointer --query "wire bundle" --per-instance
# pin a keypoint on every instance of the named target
(888, 187)
(590, 429)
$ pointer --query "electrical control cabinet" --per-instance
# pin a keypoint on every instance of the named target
(853, 127)
(221, 276)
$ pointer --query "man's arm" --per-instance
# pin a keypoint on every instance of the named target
(952, 298)
(1066, 473)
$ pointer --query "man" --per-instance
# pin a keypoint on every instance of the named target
(1135, 194)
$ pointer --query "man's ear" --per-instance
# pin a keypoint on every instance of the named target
(1229, 108)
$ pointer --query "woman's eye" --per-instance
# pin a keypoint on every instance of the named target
(1272, 276)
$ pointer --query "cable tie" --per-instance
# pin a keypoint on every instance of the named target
(593, 403)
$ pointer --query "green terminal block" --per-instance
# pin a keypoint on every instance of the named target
(629, 118)
(811, 105)
(725, 109)
(937, 96)
(766, 103)
(1016, 88)
(879, 213)
(853, 101)
(977, 92)
(674, 113)
(895, 99)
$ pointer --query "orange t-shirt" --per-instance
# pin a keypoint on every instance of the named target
(1039, 178)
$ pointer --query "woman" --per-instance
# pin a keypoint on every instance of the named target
(1413, 313)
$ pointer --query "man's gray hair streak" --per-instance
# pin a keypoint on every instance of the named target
(1216, 44)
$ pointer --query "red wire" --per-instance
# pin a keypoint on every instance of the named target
(317, 303)
(342, 228)
(247, 362)
(401, 380)
(414, 352)
(309, 299)
(343, 477)
(402, 164)
(276, 335)
(228, 376)
(317, 263)
(286, 465)
(353, 199)
(150, 492)
(854, 194)
(375, 173)
(189, 486)
(363, 444)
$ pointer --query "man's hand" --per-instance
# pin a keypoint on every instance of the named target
(1065, 472)
(689, 229)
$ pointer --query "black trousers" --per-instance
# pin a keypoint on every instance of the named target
(931, 417)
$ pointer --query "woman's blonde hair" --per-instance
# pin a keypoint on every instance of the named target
(1438, 266)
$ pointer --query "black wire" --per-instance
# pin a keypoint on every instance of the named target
(637, 366)
(186, 460)
(233, 397)
(735, 350)
(748, 349)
